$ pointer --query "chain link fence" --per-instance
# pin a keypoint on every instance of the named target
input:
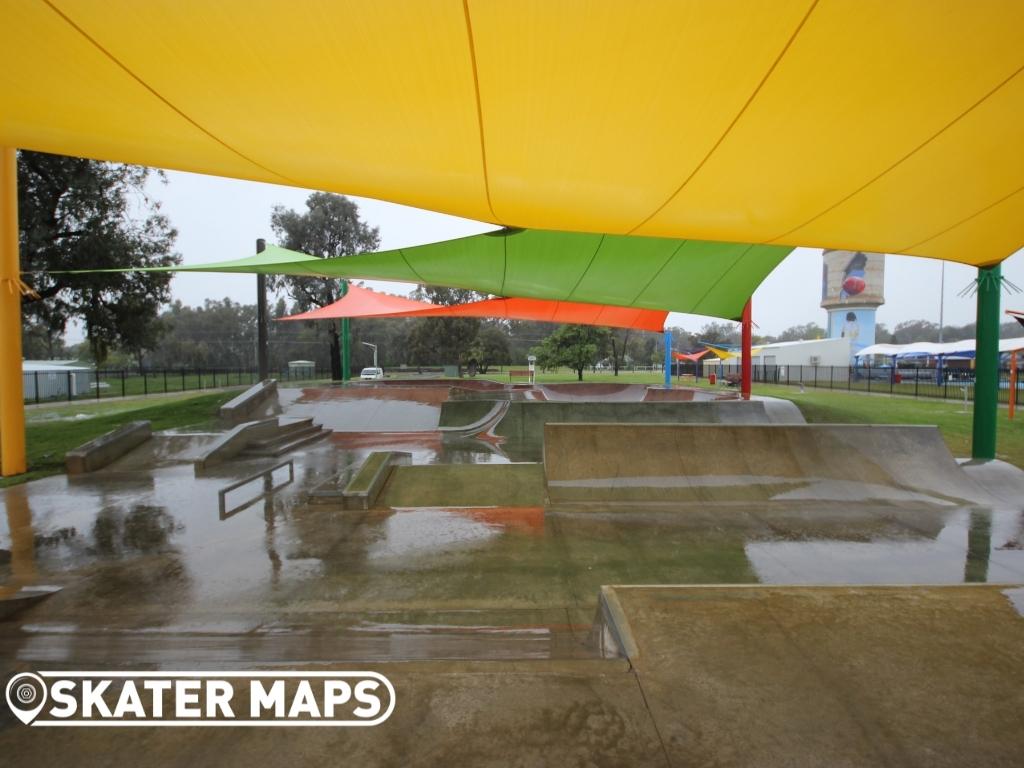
(56, 383)
(944, 383)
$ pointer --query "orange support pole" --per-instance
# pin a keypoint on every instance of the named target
(748, 364)
(12, 401)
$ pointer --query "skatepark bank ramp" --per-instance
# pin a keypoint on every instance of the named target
(755, 462)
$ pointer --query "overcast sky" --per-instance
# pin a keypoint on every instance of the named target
(221, 219)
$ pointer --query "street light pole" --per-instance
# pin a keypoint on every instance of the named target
(368, 344)
(942, 298)
(262, 355)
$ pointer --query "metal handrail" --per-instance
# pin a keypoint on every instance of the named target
(268, 488)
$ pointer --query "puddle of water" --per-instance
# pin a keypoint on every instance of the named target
(411, 533)
(151, 573)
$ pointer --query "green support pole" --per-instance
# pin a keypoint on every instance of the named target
(986, 364)
(346, 341)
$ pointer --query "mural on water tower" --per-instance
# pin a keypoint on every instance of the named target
(852, 288)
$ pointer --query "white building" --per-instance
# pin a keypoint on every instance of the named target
(812, 352)
(52, 379)
(774, 360)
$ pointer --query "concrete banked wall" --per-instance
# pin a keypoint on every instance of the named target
(717, 462)
(525, 419)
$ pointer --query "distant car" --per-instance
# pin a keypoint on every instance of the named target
(372, 373)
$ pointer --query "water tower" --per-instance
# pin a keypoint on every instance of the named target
(852, 288)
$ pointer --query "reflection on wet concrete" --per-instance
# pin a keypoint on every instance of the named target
(159, 577)
(979, 546)
(152, 574)
(960, 551)
(19, 546)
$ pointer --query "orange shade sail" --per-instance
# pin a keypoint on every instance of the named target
(691, 356)
(363, 302)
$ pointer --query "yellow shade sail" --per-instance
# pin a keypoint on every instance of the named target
(881, 125)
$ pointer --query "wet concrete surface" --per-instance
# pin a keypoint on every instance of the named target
(156, 560)
(535, 713)
(476, 596)
(907, 676)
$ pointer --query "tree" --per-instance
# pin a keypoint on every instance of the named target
(720, 333)
(574, 346)
(910, 331)
(801, 332)
(619, 340)
(82, 214)
(434, 340)
(524, 335)
(39, 342)
(489, 348)
(329, 228)
(219, 334)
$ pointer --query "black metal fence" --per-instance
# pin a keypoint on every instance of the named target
(947, 383)
(56, 382)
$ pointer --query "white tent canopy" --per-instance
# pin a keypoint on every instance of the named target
(963, 348)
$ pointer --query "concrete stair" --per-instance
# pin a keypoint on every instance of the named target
(287, 437)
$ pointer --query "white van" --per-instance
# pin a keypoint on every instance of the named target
(372, 373)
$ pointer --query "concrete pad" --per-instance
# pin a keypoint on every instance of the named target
(465, 485)
(446, 714)
(368, 408)
(792, 463)
(851, 676)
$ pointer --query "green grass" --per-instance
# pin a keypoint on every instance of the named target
(823, 406)
(114, 385)
(52, 432)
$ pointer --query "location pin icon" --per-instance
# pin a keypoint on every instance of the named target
(26, 695)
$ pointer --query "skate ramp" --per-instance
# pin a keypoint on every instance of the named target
(519, 425)
(765, 462)
(853, 676)
(590, 392)
(525, 419)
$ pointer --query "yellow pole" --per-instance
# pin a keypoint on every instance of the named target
(12, 402)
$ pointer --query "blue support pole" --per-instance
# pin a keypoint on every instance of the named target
(668, 359)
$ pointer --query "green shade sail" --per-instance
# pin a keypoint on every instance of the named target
(699, 277)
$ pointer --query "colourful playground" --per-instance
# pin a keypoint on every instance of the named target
(739, 553)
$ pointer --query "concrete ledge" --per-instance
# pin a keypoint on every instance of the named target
(107, 448)
(238, 409)
(363, 489)
(234, 441)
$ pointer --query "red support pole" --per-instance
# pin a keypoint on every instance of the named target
(747, 362)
